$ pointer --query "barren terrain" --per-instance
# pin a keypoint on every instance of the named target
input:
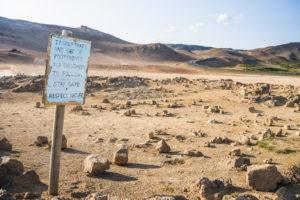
(182, 111)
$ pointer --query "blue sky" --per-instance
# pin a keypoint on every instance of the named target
(242, 24)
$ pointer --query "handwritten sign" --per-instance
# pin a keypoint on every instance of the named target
(66, 70)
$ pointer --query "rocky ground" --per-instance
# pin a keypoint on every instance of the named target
(171, 138)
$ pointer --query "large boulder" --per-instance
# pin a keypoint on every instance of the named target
(263, 177)
(163, 147)
(4, 144)
(96, 164)
(9, 168)
(121, 155)
(212, 190)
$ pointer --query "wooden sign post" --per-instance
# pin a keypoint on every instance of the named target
(65, 80)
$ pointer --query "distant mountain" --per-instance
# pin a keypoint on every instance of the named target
(29, 41)
(217, 57)
(281, 54)
(187, 47)
(32, 39)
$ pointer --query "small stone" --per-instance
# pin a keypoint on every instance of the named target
(151, 135)
(284, 193)
(105, 101)
(153, 102)
(163, 147)
(121, 155)
(41, 140)
(205, 107)
(266, 134)
(96, 196)
(268, 161)
(76, 109)
(251, 109)
(246, 197)
(237, 162)
(4, 144)
(213, 121)
(63, 143)
(132, 112)
(128, 103)
(96, 164)
(86, 113)
(269, 121)
(235, 152)
(192, 153)
(127, 113)
(79, 195)
(287, 127)
(207, 144)
(214, 109)
(279, 133)
(253, 137)
(244, 140)
(37, 104)
(290, 104)
(32, 195)
(124, 139)
(112, 140)
(217, 140)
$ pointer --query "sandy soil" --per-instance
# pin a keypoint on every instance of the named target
(145, 175)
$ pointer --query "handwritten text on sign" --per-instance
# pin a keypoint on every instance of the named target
(68, 61)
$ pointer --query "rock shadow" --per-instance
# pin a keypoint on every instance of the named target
(141, 166)
(74, 151)
(114, 176)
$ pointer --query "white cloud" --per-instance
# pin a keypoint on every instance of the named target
(224, 18)
(227, 19)
(171, 29)
(195, 27)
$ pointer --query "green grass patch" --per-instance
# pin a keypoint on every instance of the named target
(264, 68)
(281, 145)
(291, 66)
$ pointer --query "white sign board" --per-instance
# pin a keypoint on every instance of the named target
(66, 70)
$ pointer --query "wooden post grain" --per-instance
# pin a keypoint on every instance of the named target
(56, 143)
(56, 149)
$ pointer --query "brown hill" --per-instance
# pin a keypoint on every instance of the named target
(224, 57)
(281, 54)
(269, 56)
(16, 56)
(32, 38)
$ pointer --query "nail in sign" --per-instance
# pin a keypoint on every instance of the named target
(66, 70)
